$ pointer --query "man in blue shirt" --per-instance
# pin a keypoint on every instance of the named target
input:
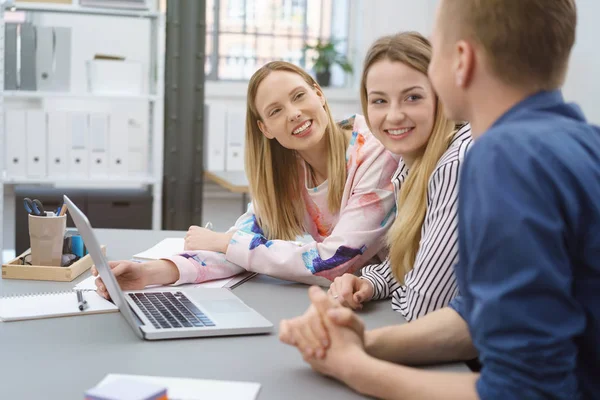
(529, 226)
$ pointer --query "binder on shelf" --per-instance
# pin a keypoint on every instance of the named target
(16, 143)
(235, 141)
(53, 58)
(57, 144)
(36, 143)
(136, 163)
(10, 57)
(138, 147)
(61, 79)
(118, 145)
(98, 124)
(28, 58)
(78, 131)
(44, 58)
(215, 130)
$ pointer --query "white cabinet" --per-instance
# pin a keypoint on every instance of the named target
(68, 132)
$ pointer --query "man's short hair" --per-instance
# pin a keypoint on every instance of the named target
(526, 42)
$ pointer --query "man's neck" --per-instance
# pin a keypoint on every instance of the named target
(486, 109)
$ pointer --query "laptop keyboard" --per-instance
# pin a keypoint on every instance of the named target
(170, 310)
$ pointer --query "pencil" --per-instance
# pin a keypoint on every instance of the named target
(63, 210)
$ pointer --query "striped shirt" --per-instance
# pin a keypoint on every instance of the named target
(431, 283)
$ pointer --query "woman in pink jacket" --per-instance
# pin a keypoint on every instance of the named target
(310, 177)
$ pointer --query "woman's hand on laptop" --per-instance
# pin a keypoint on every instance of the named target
(136, 276)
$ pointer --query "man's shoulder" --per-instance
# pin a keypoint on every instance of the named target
(538, 130)
(533, 151)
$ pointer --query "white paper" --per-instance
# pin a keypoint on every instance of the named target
(195, 389)
(164, 248)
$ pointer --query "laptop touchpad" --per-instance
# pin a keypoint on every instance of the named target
(225, 306)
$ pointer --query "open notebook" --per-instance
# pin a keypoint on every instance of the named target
(50, 305)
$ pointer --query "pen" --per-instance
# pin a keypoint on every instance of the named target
(80, 300)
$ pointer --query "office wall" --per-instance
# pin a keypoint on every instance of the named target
(385, 17)
(583, 80)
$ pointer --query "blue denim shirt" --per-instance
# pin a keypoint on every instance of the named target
(529, 250)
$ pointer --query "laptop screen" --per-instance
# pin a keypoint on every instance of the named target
(91, 242)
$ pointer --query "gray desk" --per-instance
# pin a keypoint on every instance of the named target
(60, 358)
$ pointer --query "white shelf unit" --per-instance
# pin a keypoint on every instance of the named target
(27, 94)
(154, 99)
(77, 9)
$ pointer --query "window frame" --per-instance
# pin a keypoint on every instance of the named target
(215, 36)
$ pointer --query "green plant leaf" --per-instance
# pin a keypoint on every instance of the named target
(326, 55)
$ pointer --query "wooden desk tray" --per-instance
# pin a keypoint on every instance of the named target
(15, 270)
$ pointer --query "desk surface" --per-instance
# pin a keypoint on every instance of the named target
(234, 181)
(61, 358)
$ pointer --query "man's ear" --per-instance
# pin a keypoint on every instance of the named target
(464, 64)
(264, 130)
(319, 93)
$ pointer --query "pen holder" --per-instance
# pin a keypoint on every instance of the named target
(46, 238)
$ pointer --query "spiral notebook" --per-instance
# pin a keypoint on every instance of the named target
(51, 305)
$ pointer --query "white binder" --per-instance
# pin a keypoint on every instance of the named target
(57, 144)
(235, 140)
(215, 132)
(36, 144)
(118, 145)
(98, 124)
(138, 147)
(44, 57)
(16, 143)
(78, 131)
(61, 79)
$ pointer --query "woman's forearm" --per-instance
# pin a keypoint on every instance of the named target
(161, 272)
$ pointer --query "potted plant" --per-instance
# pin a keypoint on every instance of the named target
(325, 56)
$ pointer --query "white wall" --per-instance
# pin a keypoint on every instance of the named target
(383, 17)
(583, 80)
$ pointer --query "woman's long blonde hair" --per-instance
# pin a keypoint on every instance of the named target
(403, 238)
(273, 170)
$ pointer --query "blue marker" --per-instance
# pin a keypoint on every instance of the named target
(77, 245)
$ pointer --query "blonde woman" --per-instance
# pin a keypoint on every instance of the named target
(405, 114)
(309, 177)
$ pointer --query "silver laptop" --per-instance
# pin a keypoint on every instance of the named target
(172, 312)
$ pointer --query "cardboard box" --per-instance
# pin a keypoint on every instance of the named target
(115, 77)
